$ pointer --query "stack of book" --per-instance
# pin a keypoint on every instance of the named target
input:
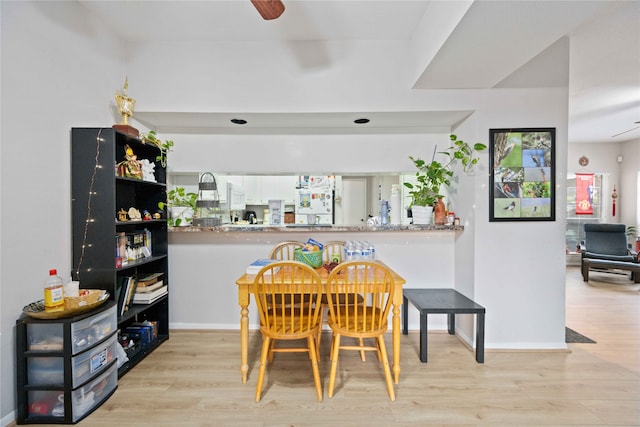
(257, 265)
(149, 289)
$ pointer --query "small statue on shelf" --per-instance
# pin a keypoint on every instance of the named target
(134, 214)
(122, 215)
(130, 167)
(148, 170)
(146, 216)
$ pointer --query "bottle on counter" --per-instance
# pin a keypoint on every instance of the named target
(53, 290)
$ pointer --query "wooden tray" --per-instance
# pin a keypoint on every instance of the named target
(37, 310)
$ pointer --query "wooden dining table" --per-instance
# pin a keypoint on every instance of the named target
(245, 289)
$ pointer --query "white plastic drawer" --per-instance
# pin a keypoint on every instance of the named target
(92, 361)
(44, 336)
(92, 394)
(45, 370)
(92, 329)
(45, 403)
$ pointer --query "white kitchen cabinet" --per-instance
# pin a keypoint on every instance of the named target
(286, 186)
(253, 189)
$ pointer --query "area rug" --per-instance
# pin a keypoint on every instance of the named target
(572, 337)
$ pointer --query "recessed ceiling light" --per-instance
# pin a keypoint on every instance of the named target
(361, 121)
(239, 121)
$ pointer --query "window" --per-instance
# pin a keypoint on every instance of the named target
(575, 223)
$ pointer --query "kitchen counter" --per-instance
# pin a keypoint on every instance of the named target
(292, 228)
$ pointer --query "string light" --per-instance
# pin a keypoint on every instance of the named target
(91, 193)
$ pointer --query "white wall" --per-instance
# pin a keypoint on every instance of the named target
(603, 158)
(520, 266)
(629, 186)
(58, 70)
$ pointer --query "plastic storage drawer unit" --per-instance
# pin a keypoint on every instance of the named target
(92, 394)
(45, 370)
(89, 331)
(89, 363)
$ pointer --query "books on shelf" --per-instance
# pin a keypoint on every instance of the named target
(127, 291)
(149, 297)
(257, 265)
(149, 279)
(149, 288)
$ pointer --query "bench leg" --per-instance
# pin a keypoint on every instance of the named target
(423, 337)
(480, 337)
(451, 320)
(405, 315)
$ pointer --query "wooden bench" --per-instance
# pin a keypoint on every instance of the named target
(588, 263)
(447, 301)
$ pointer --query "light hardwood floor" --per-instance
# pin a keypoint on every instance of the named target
(194, 379)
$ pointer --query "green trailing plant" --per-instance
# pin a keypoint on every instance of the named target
(433, 175)
(164, 146)
(179, 197)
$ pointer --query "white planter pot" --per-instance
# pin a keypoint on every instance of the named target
(182, 213)
(422, 214)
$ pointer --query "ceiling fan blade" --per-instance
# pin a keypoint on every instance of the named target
(626, 131)
(268, 9)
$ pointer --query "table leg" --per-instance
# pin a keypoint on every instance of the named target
(405, 315)
(243, 300)
(423, 336)
(480, 337)
(396, 342)
(452, 323)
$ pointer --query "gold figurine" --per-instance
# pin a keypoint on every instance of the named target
(126, 105)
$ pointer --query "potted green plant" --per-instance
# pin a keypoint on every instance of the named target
(181, 206)
(431, 176)
(164, 146)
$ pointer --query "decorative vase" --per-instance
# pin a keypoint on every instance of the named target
(439, 213)
(422, 214)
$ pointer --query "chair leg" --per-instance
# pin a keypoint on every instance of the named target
(335, 348)
(266, 344)
(273, 343)
(314, 366)
(385, 366)
(362, 352)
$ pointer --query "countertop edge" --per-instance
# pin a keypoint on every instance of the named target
(315, 229)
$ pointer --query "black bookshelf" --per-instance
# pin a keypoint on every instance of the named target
(98, 193)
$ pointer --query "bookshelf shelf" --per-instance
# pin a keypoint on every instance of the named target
(98, 195)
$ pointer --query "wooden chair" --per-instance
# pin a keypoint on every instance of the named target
(331, 248)
(369, 287)
(284, 250)
(288, 322)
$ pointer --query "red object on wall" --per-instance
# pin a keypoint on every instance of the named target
(614, 196)
(584, 194)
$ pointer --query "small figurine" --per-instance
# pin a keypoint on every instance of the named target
(157, 215)
(131, 167)
(134, 214)
(148, 170)
(122, 215)
(146, 216)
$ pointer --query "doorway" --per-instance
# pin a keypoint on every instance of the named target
(354, 196)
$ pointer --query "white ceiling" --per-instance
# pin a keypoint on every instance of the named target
(591, 46)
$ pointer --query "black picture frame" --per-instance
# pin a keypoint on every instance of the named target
(522, 180)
